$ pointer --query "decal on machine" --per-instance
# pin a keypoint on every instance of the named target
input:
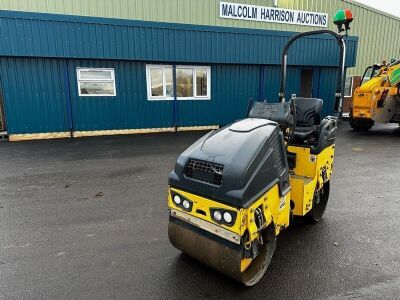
(282, 203)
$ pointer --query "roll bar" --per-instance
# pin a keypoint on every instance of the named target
(340, 81)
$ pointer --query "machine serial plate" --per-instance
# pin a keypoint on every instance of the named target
(207, 226)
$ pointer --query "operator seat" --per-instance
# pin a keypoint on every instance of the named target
(308, 119)
(309, 130)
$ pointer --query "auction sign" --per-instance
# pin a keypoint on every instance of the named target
(248, 12)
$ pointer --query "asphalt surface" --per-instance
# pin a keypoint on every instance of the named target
(87, 219)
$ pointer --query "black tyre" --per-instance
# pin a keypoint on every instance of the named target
(361, 125)
(320, 202)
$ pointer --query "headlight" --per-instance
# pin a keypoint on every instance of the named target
(227, 217)
(222, 216)
(177, 199)
(181, 202)
(186, 204)
(217, 215)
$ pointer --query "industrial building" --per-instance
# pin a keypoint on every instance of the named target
(81, 68)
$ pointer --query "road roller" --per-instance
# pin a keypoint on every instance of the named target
(234, 190)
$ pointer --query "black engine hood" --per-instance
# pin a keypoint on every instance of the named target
(251, 155)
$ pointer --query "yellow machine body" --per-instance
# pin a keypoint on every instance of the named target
(376, 100)
(309, 175)
(275, 208)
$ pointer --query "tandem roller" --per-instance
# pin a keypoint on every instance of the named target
(235, 189)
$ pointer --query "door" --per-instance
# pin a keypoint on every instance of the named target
(306, 83)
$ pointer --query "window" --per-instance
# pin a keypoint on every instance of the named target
(202, 82)
(184, 82)
(159, 82)
(192, 83)
(365, 79)
(348, 87)
(96, 82)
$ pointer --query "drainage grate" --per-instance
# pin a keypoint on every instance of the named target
(204, 171)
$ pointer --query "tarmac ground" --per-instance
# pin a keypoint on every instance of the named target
(87, 218)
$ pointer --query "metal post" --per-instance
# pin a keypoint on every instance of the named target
(261, 87)
(175, 98)
(343, 77)
(68, 100)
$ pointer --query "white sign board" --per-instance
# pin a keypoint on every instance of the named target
(248, 12)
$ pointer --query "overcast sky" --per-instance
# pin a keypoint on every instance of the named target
(389, 6)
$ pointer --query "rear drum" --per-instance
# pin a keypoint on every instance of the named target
(320, 202)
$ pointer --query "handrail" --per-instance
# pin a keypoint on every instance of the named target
(340, 81)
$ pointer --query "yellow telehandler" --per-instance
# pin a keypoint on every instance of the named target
(378, 97)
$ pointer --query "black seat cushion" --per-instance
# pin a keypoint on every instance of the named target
(303, 133)
(308, 118)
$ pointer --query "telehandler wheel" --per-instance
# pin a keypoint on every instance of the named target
(320, 202)
(361, 125)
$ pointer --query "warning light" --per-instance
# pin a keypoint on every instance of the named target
(343, 17)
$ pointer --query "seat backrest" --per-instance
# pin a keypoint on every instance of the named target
(308, 111)
(277, 112)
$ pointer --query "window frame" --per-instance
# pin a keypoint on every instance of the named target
(165, 98)
(195, 97)
(364, 80)
(208, 72)
(150, 97)
(351, 87)
(79, 80)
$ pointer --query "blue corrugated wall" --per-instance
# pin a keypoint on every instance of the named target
(324, 84)
(34, 94)
(130, 109)
(40, 54)
(49, 35)
(327, 88)
(39, 103)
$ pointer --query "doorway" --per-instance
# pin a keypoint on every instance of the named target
(306, 83)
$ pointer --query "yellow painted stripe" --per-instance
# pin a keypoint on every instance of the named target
(191, 128)
(121, 131)
(38, 136)
(78, 134)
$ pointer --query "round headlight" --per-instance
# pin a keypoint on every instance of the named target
(177, 199)
(227, 217)
(186, 204)
(217, 215)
